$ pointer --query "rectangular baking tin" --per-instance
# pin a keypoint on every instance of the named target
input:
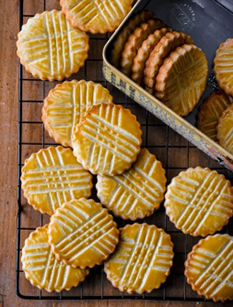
(209, 22)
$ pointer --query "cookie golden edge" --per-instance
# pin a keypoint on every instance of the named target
(84, 27)
(115, 284)
(34, 73)
(220, 137)
(47, 127)
(56, 252)
(186, 272)
(33, 283)
(75, 139)
(202, 234)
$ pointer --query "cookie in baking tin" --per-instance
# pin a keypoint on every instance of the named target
(223, 66)
(209, 267)
(181, 79)
(107, 140)
(82, 233)
(199, 201)
(124, 33)
(137, 192)
(210, 111)
(142, 259)
(168, 43)
(143, 54)
(225, 129)
(66, 103)
(49, 48)
(53, 176)
(41, 267)
(96, 16)
(135, 41)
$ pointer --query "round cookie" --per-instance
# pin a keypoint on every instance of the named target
(223, 66)
(107, 140)
(199, 201)
(182, 79)
(209, 113)
(209, 267)
(53, 176)
(96, 16)
(41, 267)
(137, 192)
(225, 129)
(49, 48)
(66, 103)
(82, 233)
(142, 259)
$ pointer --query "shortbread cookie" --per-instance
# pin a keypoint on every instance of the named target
(168, 43)
(223, 66)
(210, 112)
(122, 36)
(49, 48)
(41, 267)
(66, 103)
(82, 233)
(135, 41)
(209, 267)
(137, 192)
(107, 140)
(199, 201)
(143, 54)
(182, 79)
(53, 176)
(142, 260)
(96, 16)
(225, 129)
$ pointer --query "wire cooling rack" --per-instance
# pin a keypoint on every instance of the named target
(172, 150)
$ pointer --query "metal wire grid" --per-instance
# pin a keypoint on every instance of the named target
(100, 288)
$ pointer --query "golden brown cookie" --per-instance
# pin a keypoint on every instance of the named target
(182, 79)
(199, 201)
(122, 36)
(41, 267)
(53, 176)
(96, 16)
(66, 103)
(225, 129)
(142, 259)
(168, 43)
(137, 192)
(143, 54)
(135, 41)
(82, 233)
(49, 48)
(210, 111)
(209, 267)
(107, 140)
(223, 66)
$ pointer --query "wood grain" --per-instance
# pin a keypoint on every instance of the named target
(8, 151)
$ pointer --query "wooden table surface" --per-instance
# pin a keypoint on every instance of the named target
(9, 16)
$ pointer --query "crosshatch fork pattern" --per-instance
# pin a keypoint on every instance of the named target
(173, 151)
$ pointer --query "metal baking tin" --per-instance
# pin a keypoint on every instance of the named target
(209, 22)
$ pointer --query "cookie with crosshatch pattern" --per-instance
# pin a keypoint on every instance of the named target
(82, 233)
(199, 201)
(41, 267)
(107, 140)
(96, 16)
(49, 48)
(53, 176)
(225, 129)
(209, 267)
(137, 192)
(66, 103)
(142, 259)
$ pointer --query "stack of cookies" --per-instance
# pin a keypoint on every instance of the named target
(164, 62)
